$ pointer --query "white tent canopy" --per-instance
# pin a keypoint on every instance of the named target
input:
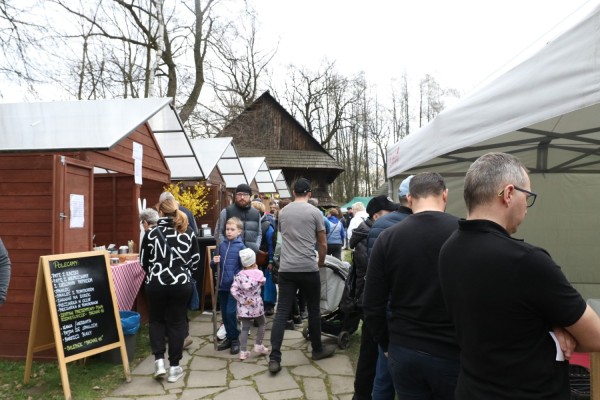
(231, 168)
(546, 111)
(255, 168)
(209, 151)
(281, 184)
(175, 145)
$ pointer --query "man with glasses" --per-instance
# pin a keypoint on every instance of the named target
(508, 299)
(249, 216)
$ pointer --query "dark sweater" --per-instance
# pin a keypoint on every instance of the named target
(384, 222)
(403, 270)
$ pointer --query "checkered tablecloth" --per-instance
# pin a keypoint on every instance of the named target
(127, 278)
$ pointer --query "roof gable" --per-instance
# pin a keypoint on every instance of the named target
(73, 125)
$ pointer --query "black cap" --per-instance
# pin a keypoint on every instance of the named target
(243, 188)
(302, 185)
(380, 203)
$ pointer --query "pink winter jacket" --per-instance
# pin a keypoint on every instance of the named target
(246, 290)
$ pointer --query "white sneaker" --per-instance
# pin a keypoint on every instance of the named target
(174, 374)
(261, 349)
(159, 369)
(221, 333)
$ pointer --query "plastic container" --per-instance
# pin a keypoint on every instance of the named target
(130, 322)
(114, 356)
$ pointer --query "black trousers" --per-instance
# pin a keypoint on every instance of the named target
(167, 306)
(334, 250)
(309, 283)
(366, 365)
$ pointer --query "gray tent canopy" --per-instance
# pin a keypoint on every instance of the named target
(546, 111)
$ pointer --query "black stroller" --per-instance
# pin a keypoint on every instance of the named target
(336, 321)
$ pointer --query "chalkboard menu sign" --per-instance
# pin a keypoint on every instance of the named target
(75, 311)
(84, 304)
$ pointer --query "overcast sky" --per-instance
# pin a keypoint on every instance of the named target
(460, 42)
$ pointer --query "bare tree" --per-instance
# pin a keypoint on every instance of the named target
(19, 42)
(236, 72)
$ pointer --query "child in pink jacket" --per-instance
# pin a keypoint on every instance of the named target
(246, 290)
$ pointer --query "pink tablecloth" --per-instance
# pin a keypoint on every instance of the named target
(127, 278)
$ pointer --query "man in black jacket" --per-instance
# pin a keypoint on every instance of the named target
(368, 353)
(402, 279)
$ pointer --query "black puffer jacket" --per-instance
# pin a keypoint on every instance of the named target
(360, 259)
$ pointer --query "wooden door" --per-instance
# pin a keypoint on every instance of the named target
(72, 217)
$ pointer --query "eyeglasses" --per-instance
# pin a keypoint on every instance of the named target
(530, 195)
(242, 194)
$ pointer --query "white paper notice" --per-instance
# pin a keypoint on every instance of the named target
(137, 169)
(77, 211)
(138, 156)
(138, 151)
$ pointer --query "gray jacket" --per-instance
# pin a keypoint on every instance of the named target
(250, 218)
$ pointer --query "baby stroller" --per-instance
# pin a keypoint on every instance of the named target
(334, 321)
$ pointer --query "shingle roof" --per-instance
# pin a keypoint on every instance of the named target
(293, 158)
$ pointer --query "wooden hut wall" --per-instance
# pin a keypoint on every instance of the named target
(115, 210)
(26, 230)
(151, 191)
(119, 157)
(270, 125)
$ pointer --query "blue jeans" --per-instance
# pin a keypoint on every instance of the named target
(309, 284)
(421, 376)
(229, 314)
(383, 385)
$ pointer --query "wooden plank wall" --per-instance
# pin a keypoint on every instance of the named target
(267, 125)
(26, 230)
(119, 158)
(115, 210)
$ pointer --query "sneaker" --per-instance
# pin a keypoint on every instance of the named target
(175, 373)
(304, 314)
(269, 312)
(297, 320)
(289, 325)
(274, 366)
(221, 332)
(224, 345)
(187, 342)
(244, 355)
(326, 351)
(261, 349)
(235, 347)
(159, 369)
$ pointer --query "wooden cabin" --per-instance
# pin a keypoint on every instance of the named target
(51, 151)
(266, 129)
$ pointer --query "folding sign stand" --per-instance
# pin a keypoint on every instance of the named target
(75, 310)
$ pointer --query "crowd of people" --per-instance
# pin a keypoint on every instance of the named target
(451, 308)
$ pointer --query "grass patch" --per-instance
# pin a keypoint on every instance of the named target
(92, 379)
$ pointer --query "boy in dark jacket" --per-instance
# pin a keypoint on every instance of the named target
(229, 258)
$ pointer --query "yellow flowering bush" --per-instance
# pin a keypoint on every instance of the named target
(194, 198)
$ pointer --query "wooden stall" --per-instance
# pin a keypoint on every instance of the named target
(37, 214)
